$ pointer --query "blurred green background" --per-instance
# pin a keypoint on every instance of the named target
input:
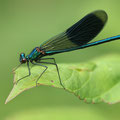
(25, 24)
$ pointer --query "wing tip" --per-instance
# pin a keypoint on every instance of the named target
(102, 15)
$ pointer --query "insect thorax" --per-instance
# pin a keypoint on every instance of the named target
(35, 54)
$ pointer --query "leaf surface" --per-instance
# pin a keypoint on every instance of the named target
(95, 81)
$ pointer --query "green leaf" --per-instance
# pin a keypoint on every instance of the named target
(94, 82)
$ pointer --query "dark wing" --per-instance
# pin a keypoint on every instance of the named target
(77, 35)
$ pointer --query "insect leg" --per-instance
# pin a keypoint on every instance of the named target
(26, 75)
(17, 67)
(42, 72)
(52, 64)
(47, 59)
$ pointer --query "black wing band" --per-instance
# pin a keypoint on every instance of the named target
(79, 34)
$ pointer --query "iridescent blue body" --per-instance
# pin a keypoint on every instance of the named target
(76, 37)
(34, 55)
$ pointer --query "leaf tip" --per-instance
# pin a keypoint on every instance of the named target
(7, 100)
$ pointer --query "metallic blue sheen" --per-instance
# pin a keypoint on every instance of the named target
(23, 55)
(101, 41)
(34, 54)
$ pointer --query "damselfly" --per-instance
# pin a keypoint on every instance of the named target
(75, 37)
